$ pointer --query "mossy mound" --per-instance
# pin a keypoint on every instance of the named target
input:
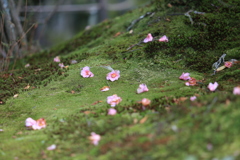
(171, 127)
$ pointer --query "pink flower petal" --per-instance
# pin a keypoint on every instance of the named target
(142, 88)
(163, 39)
(185, 76)
(212, 86)
(228, 64)
(113, 76)
(52, 147)
(61, 65)
(112, 111)
(95, 138)
(113, 100)
(236, 90)
(148, 38)
(30, 122)
(56, 59)
(193, 98)
(85, 72)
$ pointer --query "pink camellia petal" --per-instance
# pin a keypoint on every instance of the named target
(228, 64)
(30, 122)
(142, 88)
(61, 65)
(94, 138)
(191, 82)
(85, 72)
(52, 147)
(113, 76)
(236, 90)
(113, 100)
(193, 98)
(146, 102)
(112, 111)
(163, 39)
(148, 38)
(185, 76)
(40, 123)
(56, 59)
(212, 86)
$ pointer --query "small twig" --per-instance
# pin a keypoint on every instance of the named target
(216, 65)
(137, 20)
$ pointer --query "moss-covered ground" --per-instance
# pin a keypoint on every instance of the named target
(172, 127)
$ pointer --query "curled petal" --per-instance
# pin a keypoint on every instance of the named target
(185, 76)
(163, 39)
(148, 38)
(142, 88)
(85, 72)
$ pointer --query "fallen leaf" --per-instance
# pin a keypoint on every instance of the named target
(15, 96)
(117, 34)
(220, 68)
(19, 133)
(72, 91)
(169, 5)
(27, 87)
(39, 69)
(96, 102)
(143, 120)
(88, 112)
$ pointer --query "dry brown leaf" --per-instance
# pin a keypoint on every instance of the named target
(15, 96)
(169, 5)
(117, 34)
(179, 100)
(96, 102)
(143, 120)
(88, 112)
(72, 91)
(27, 87)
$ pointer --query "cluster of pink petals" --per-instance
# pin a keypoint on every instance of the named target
(142, 88)
(112, 111)
(113, 100)
(85, 72)
(185, 76)
(191, 82)
(113, 76)
(56, 59)
(212, 86)
(236, 90)
(95, 138)
(193, 98)
(61, 65)
(228, 64)
(163, 39)
(149, 38)
(35, 125)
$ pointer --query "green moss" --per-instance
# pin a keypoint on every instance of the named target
(73, 106)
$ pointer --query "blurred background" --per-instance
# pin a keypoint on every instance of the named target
(28, 26)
